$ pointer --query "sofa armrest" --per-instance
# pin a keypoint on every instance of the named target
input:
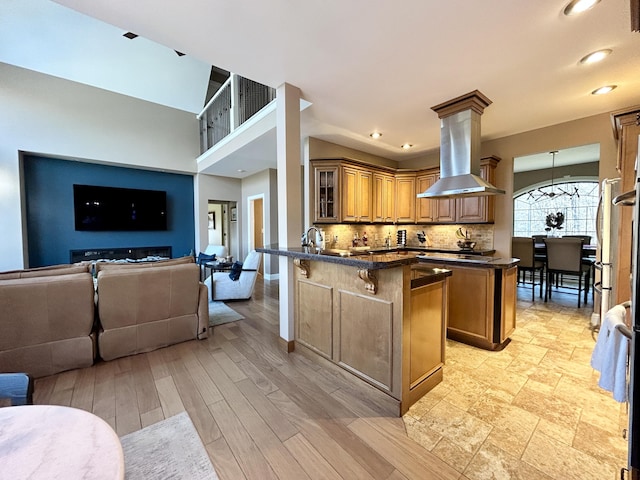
(203, 312)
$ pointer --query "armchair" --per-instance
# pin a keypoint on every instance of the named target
(224, 288)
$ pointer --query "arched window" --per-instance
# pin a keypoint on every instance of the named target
(578, 206)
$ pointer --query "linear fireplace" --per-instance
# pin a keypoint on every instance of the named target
(134, 253)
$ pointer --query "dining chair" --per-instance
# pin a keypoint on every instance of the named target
(524, 249)
(586, 261)
(541, 257)
(564, 257)
(16, 388)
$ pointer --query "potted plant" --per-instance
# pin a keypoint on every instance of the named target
(554, 222)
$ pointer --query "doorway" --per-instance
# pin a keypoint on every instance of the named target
(256, 225)
(218, 226)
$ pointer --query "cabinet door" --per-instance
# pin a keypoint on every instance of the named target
(356, 195)
(364, 201)
(383, 197)
(326, 203)
(445, 209)
(405, 198)
(473, 209)
(471, 302)
(425, 207)
(509, 300)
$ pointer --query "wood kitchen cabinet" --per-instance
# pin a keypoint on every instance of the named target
(326, 192)
(405, 207)
(384, 191)
(425, 207)
(348, 191)
(479, 209)
(482, 305)
(356, 201)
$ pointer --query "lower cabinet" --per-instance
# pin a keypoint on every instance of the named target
(482, 306)
(393, 339)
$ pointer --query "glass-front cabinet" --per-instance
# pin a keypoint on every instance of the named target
(327, 193)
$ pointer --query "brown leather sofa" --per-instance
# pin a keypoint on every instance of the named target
(143, 307)
(46, 320)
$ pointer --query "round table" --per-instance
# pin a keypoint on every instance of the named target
(53, 442)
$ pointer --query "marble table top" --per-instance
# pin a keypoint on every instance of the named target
(54, 442)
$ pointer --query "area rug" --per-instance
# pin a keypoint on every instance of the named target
(220, 313)
(170, 449)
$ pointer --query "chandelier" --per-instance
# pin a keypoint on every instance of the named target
(551, 192)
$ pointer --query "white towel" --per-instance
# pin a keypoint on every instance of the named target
(609, 355)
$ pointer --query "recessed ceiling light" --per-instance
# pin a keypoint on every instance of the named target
(241, 170)
(130, 35)
(375, 135)
(596, 56)
(406, 146)
(579, 6)
(603, 90)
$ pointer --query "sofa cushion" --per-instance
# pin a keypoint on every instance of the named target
(204, 258)
(48, 271)
(236, 269)
(100, 266)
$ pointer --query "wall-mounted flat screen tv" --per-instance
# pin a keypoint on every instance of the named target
(111, 208)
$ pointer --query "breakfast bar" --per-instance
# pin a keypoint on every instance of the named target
(381, 316)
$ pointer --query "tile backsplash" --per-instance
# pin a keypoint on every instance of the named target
(438, 236)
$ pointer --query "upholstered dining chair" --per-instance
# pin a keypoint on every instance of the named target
(524, 249)
(564, 257)
(586, 261)
(541, 257)
(16, 389)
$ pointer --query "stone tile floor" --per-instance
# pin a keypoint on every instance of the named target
(532, 411)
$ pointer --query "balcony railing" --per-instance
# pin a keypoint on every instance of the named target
(233, 104)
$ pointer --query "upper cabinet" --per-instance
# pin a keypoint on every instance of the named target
(326, 192)
(350, 192)
(405, 198)
(356, 194)
(479, 209)
(384, 192)
(425, 207)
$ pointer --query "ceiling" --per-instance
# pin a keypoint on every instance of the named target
(368, 66)
(564, 157)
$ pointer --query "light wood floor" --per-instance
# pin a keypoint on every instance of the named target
(261, 414)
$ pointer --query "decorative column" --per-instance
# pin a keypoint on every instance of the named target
(289, 200)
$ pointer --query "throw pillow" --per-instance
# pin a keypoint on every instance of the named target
(204, 258)
(236, 268)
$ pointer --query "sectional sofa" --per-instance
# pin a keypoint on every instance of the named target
(59, 318)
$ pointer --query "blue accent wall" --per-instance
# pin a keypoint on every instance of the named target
(51, 233)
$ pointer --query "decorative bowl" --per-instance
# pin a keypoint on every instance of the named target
(466, 244)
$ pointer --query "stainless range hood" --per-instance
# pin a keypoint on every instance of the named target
(460, 149)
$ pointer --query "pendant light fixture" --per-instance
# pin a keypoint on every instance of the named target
(551, 193)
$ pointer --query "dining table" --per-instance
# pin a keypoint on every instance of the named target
(588, 251)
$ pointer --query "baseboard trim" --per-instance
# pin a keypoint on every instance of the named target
(286, 346)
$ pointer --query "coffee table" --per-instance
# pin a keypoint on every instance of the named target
(54, 442)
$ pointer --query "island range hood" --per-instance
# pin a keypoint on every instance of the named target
(460, 149)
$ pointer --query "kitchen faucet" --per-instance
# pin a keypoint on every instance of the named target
(309, 242)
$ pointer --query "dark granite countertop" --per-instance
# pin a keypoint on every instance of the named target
(467, 260)
(376, 259)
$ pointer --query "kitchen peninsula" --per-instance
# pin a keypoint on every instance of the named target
(381, 315)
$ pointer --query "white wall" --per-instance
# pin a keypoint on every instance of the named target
(44, 114)
(211, 187)
(263, 183)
